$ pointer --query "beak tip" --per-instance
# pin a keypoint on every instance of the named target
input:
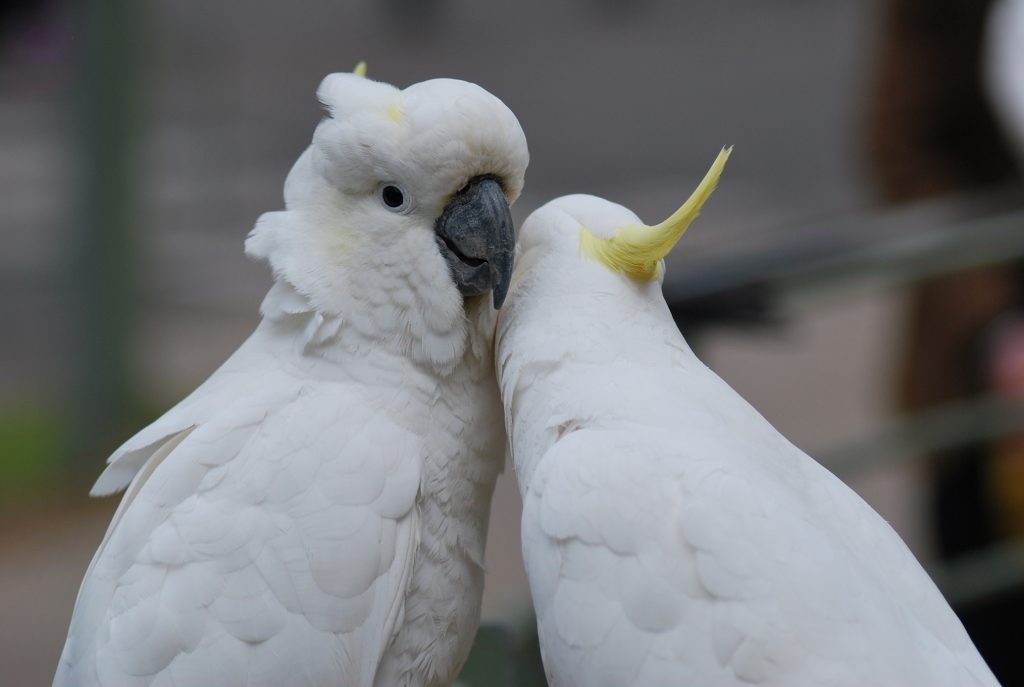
(498, 295)
(502, 275)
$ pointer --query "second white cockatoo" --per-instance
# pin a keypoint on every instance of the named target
(315, 513)
(672, 537)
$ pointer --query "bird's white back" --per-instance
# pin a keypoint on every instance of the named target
(670, 534)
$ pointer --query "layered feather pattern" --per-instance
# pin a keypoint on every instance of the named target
(671, 535)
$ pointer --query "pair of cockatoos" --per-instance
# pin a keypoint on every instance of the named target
(315, 512)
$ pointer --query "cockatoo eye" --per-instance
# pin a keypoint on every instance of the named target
(393, 197)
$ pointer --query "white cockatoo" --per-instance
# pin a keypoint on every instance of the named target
(315, 513)
(671, 535)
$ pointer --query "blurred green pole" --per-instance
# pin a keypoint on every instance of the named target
(104, 251)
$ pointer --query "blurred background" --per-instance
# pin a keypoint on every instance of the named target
(856, 276)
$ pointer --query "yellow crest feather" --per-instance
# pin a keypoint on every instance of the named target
(360, 69)
(637, 249)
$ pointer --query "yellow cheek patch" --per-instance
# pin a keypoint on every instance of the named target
(637, 249)
(343, 243)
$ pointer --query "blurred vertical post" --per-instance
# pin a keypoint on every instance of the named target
(932, 133)
(103, 246)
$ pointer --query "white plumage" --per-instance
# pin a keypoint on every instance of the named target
(671, 535)
(315, 512)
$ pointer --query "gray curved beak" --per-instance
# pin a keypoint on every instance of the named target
(477, 238)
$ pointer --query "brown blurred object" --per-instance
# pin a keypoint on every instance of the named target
(1005, 376)
(931, 130)
(932, 133)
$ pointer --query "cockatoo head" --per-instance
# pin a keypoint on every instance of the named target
(399, 210)
(579, 234)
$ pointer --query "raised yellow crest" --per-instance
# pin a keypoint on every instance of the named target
(637, 249)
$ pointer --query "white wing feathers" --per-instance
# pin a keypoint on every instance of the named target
(290, 572)
(691, 544)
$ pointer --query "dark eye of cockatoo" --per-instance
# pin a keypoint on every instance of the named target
(393, 197)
